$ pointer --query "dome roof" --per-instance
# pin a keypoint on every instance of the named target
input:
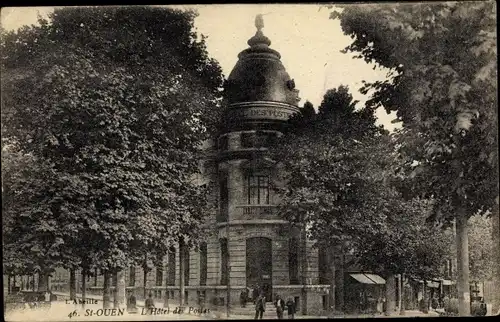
(259, 74)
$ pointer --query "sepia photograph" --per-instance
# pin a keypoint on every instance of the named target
(250, 161)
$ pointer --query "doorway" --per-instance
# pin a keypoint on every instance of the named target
(259, 265)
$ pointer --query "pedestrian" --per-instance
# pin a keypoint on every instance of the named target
(255, 293)
(280, 307)
(290, 305)
(150, 304)
(260, 306)
(243, 298)
(132, 303)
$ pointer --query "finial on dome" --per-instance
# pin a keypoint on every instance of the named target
(259, 38)
(259, 22)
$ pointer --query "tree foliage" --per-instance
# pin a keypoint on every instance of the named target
(339, 169)
(442, 85)
(116, 103)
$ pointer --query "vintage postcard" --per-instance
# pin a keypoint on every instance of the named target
(250, 161)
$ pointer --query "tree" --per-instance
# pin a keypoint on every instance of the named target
(116, 101)
(340, 174)
(323, 161)
(442, 85)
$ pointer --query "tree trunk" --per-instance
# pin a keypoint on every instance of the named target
(425, 307)
(181, 273)
(106, 298)
(390, 294)
(166, 295)
(84, 287)
(463, 264)
(115, 290)
(304, 269)
(339, 283)
(496, 257)
(331, 262)
(72, 284)
(401, 295)
(120, 290)
(9, 286)
(145, 281)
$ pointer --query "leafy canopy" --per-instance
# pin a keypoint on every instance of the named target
(442, 85)
(116, 102)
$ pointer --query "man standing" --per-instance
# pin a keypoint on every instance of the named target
(243, 298)
(260, 306)
(290, 304)
(280, 306)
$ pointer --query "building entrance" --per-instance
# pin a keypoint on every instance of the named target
(259, 265)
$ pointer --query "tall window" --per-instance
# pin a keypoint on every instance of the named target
(293, 262)
(186, 266)
(171, 267)
(224, 255)
(258, 190)
(323, 270)
(131, 276)
(203, 264)
(159, 275)
(224, 199)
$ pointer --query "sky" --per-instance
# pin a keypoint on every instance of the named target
(309, 43)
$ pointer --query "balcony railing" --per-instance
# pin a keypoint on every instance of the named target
(258, 209)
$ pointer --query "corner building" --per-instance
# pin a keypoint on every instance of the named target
(251, 246)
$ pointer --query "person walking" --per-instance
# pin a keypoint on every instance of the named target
(280, 307)
(260, 306)
(290, 305)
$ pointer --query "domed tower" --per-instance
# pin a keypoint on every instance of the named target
(253, 239)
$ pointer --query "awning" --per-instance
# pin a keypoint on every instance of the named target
(377, 279)
(447, 282)
(362, 278)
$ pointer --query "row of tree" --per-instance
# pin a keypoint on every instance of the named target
(393, 197)
(104, 112)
